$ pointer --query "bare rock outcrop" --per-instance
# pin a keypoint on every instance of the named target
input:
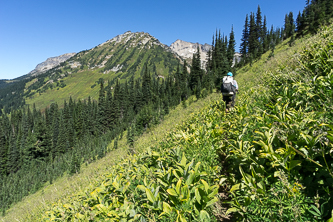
(50, 63)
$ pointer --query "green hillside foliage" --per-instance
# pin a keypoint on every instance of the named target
(280, 144)
(69, 184)
(272, 153)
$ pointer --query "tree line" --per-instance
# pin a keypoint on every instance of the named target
(257, 38)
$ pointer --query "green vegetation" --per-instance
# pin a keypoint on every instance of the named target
(31, 206)
(275, 146)
(268, 159)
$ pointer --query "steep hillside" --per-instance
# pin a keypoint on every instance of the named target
(273, 149)
(28, 209)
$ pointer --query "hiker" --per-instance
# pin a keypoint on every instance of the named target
(229, 88)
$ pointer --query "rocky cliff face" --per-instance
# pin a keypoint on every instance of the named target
(187, 49)
(50, 63)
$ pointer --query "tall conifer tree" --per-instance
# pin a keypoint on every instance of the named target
(245, 40)
(231, 47)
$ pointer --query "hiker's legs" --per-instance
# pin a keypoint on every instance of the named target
(228, 101)
(233, 100)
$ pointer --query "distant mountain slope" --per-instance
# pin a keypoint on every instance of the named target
(120, 58)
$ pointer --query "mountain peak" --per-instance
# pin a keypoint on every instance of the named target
(141, 38)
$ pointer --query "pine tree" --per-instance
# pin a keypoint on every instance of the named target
(101, 109)
(62, 142)
(184, 82)
(146, 85)
(198, 90)
(75, 163)
(13, 155)
(196, 71)
(3, 152)
(245, 40)
(138, 97)
(79, 120)
(291, 31)
(231, 47)
(117, 102)
(109, 109)
(130, 137)
(252, 48)
(265, 37)
(259, 33)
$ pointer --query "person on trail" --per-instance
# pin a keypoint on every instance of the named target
(229, 88)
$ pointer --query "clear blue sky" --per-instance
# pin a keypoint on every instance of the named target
(32, 31)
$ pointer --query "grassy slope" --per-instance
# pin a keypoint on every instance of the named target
(65, 186)
(247, 78)
(75, 84)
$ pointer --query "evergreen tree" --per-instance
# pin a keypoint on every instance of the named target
(253, 40)
(198, 90)
(55, 128)
(245, 40)
(62, 142)
(75, 164)
(184, 82)
(146, 85)
(117, 102)
(130, 137)
(3, 152)
(259, 32)
(109, 112)
(196, 71)
(138, 97)
(13, 155)
(231, 48)
(265, 38)
(101, 109)
(299, 24)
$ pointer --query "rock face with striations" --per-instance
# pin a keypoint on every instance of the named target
(50, 63)
(187, 49)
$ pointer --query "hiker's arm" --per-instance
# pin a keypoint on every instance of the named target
(235, 84)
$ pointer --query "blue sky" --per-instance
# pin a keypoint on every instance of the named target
(32, 31)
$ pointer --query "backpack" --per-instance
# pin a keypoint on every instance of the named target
(227, 87)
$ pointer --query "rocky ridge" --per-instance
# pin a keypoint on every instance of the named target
(187, 49)
(140, 39)
(50, 63)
